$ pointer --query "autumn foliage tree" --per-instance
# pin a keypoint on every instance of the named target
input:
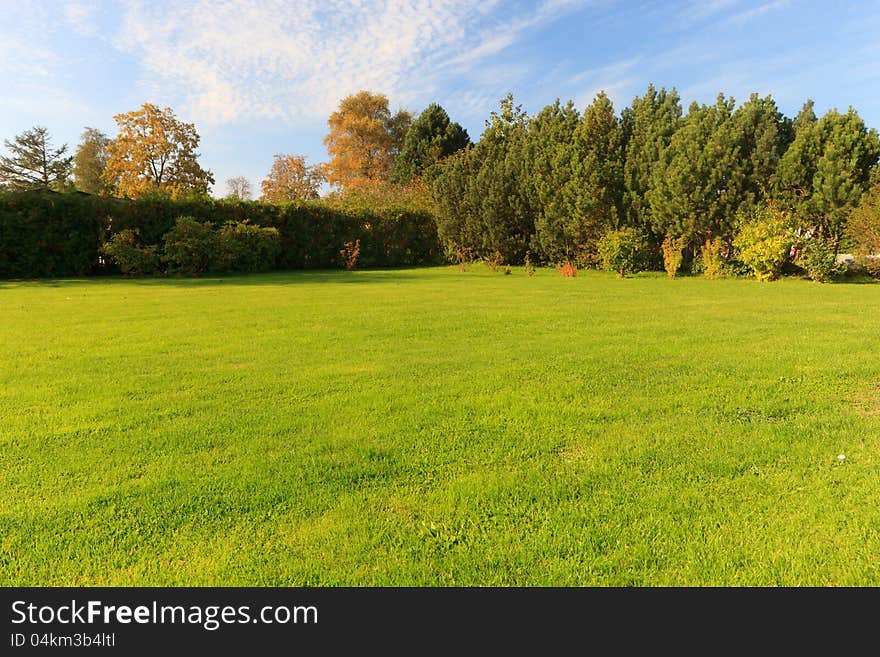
(364, 140)
(291, 179)
(155, 152)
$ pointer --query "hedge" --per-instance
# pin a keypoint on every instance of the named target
(49, 234)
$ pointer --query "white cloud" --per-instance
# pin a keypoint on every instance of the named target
(226, 60)
(81, 17)
(760, 10)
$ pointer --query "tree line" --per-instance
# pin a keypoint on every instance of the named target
(552, 185)
(155, 153)
(558, 186)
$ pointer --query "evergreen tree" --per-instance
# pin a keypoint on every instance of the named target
(598, 143)
(559, 229)
(648, 125)
(33, 163)
(700, 180)
(763, 134)
(430, 138)
(826, 170)
(482, 193)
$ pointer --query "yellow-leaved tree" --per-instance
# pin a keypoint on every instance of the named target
(155, 152)
(364, 140)
(291, 179)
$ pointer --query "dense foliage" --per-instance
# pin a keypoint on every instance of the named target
(555, 184)
(47, 234)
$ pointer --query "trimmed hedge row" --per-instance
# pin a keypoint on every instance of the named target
(47, 234)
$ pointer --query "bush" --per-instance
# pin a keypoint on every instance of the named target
(817, 258)
(619, 251)
(673, 254)
(711, 263)
(243, 247)
(864, 227)
(349, 254)
(45, 233)
(60, 234)
(567, 269)
(128, 254)
(764, 242)
(191, 247)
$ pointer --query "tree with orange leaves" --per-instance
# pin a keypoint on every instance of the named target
(291, 179)
(364, 140)
(155, 152)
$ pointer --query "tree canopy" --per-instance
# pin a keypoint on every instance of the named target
(430, 138)
(90, 161)
(33, 163)
(364, 140)
(155, 152)
(291, 179)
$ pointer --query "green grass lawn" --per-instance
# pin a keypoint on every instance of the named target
(433, 427)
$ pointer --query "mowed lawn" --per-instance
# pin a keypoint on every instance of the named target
(432, 427)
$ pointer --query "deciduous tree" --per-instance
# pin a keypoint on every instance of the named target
(239, 188)
(155, 152)
(364, 140)
(90, 161)
(291, 179)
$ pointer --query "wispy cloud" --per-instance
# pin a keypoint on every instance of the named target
(755, 12)
(80, 15)
(284, 60)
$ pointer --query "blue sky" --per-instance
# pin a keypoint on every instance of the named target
(260, 77)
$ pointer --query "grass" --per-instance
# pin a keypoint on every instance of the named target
(432, 427)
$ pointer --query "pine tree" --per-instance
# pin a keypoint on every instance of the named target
(826, 170)
(430, 138)
(764, 135)
(482, 192)
(699, 183)
(648, 125)
(559, 229)
(34, 164)
(598, 143)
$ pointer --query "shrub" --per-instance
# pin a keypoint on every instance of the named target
(130, 256)
(59, 234)
(44, 233)
(567, 269)
(817, 258)
(673, 254)
(243, 247)
(864, 227)
(528, 267)
(712, 259)
(764, 242)
(350, 254)
(619, 250)
(190, 247)
(494, 261)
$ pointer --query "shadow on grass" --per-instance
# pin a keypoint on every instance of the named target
(294, 277)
